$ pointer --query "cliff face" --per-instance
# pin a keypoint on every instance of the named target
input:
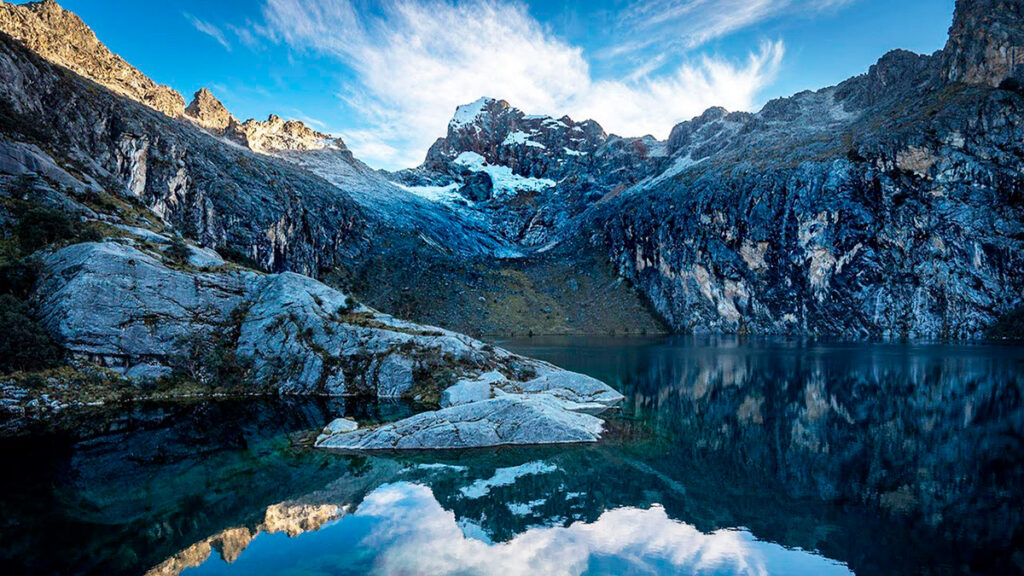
(915, 228)
(62, 38)
(890, 205)
(887, 205)
(265, 209)
(986, 42)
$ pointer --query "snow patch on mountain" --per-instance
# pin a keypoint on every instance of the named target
(468, 113)
(521, 138)
(503, 179)
(444, 194)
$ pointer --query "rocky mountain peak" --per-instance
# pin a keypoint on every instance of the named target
(207, 111)
(986, 42)
(62, 38)
(479, 114)
(501, 135)
(276, 134)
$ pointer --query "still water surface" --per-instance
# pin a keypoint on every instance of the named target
(728, 457)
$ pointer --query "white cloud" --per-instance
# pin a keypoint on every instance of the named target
(687, 24)
(416, 60)
(653, 105)
(411, 533)
(209, 29)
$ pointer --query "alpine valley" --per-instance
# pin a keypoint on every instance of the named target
(217, 330)
(162, 246)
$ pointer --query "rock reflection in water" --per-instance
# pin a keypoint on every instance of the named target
(406, 530)
(728, 457)
(930, 431)
(290, 519)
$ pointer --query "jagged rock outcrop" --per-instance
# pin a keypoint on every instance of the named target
(275, 134)
(261, 208)
(986, 42)
(532, 146)
(62, 38)
(113, 304)
(207, 111)
(889, 205)
(284, 332)
(288, 331)
(507, 165)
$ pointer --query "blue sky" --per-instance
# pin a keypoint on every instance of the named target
(387, 75)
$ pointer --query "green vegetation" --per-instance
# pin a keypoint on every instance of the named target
(429, 380)
(41, 227)
(18, 278)
(177, 251)
(1009, 327)
(237, 257)
(210, 359)
(25, 345)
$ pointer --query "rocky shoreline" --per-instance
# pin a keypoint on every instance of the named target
(150, 320)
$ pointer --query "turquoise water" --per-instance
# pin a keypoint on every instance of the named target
(728, 457)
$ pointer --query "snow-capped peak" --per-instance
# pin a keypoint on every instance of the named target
(468, 113)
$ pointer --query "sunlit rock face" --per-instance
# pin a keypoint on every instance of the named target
(266, 210)
(62, 38)
(986, 42)
(208, 112)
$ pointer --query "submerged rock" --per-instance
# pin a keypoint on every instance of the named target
(520, 419)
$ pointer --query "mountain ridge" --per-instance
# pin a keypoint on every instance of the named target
(689, 221)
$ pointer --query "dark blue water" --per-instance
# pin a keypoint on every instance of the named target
(728, 457)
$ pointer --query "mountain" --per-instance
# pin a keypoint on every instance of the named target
(501, 163)
(888, 205)
(274, 195)
(62, 38)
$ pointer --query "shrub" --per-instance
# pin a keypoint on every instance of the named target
(25, 346)
(1012, 85)
(1010, 326)
(18, 278)
(238, 257)
(40, 227)
(178, 250)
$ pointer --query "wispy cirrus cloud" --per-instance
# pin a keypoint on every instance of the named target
(682, 25)
(209, 29)
(416, 60)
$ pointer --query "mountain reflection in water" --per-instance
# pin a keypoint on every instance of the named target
(729, 457)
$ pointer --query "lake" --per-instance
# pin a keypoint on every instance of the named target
(729, 456)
